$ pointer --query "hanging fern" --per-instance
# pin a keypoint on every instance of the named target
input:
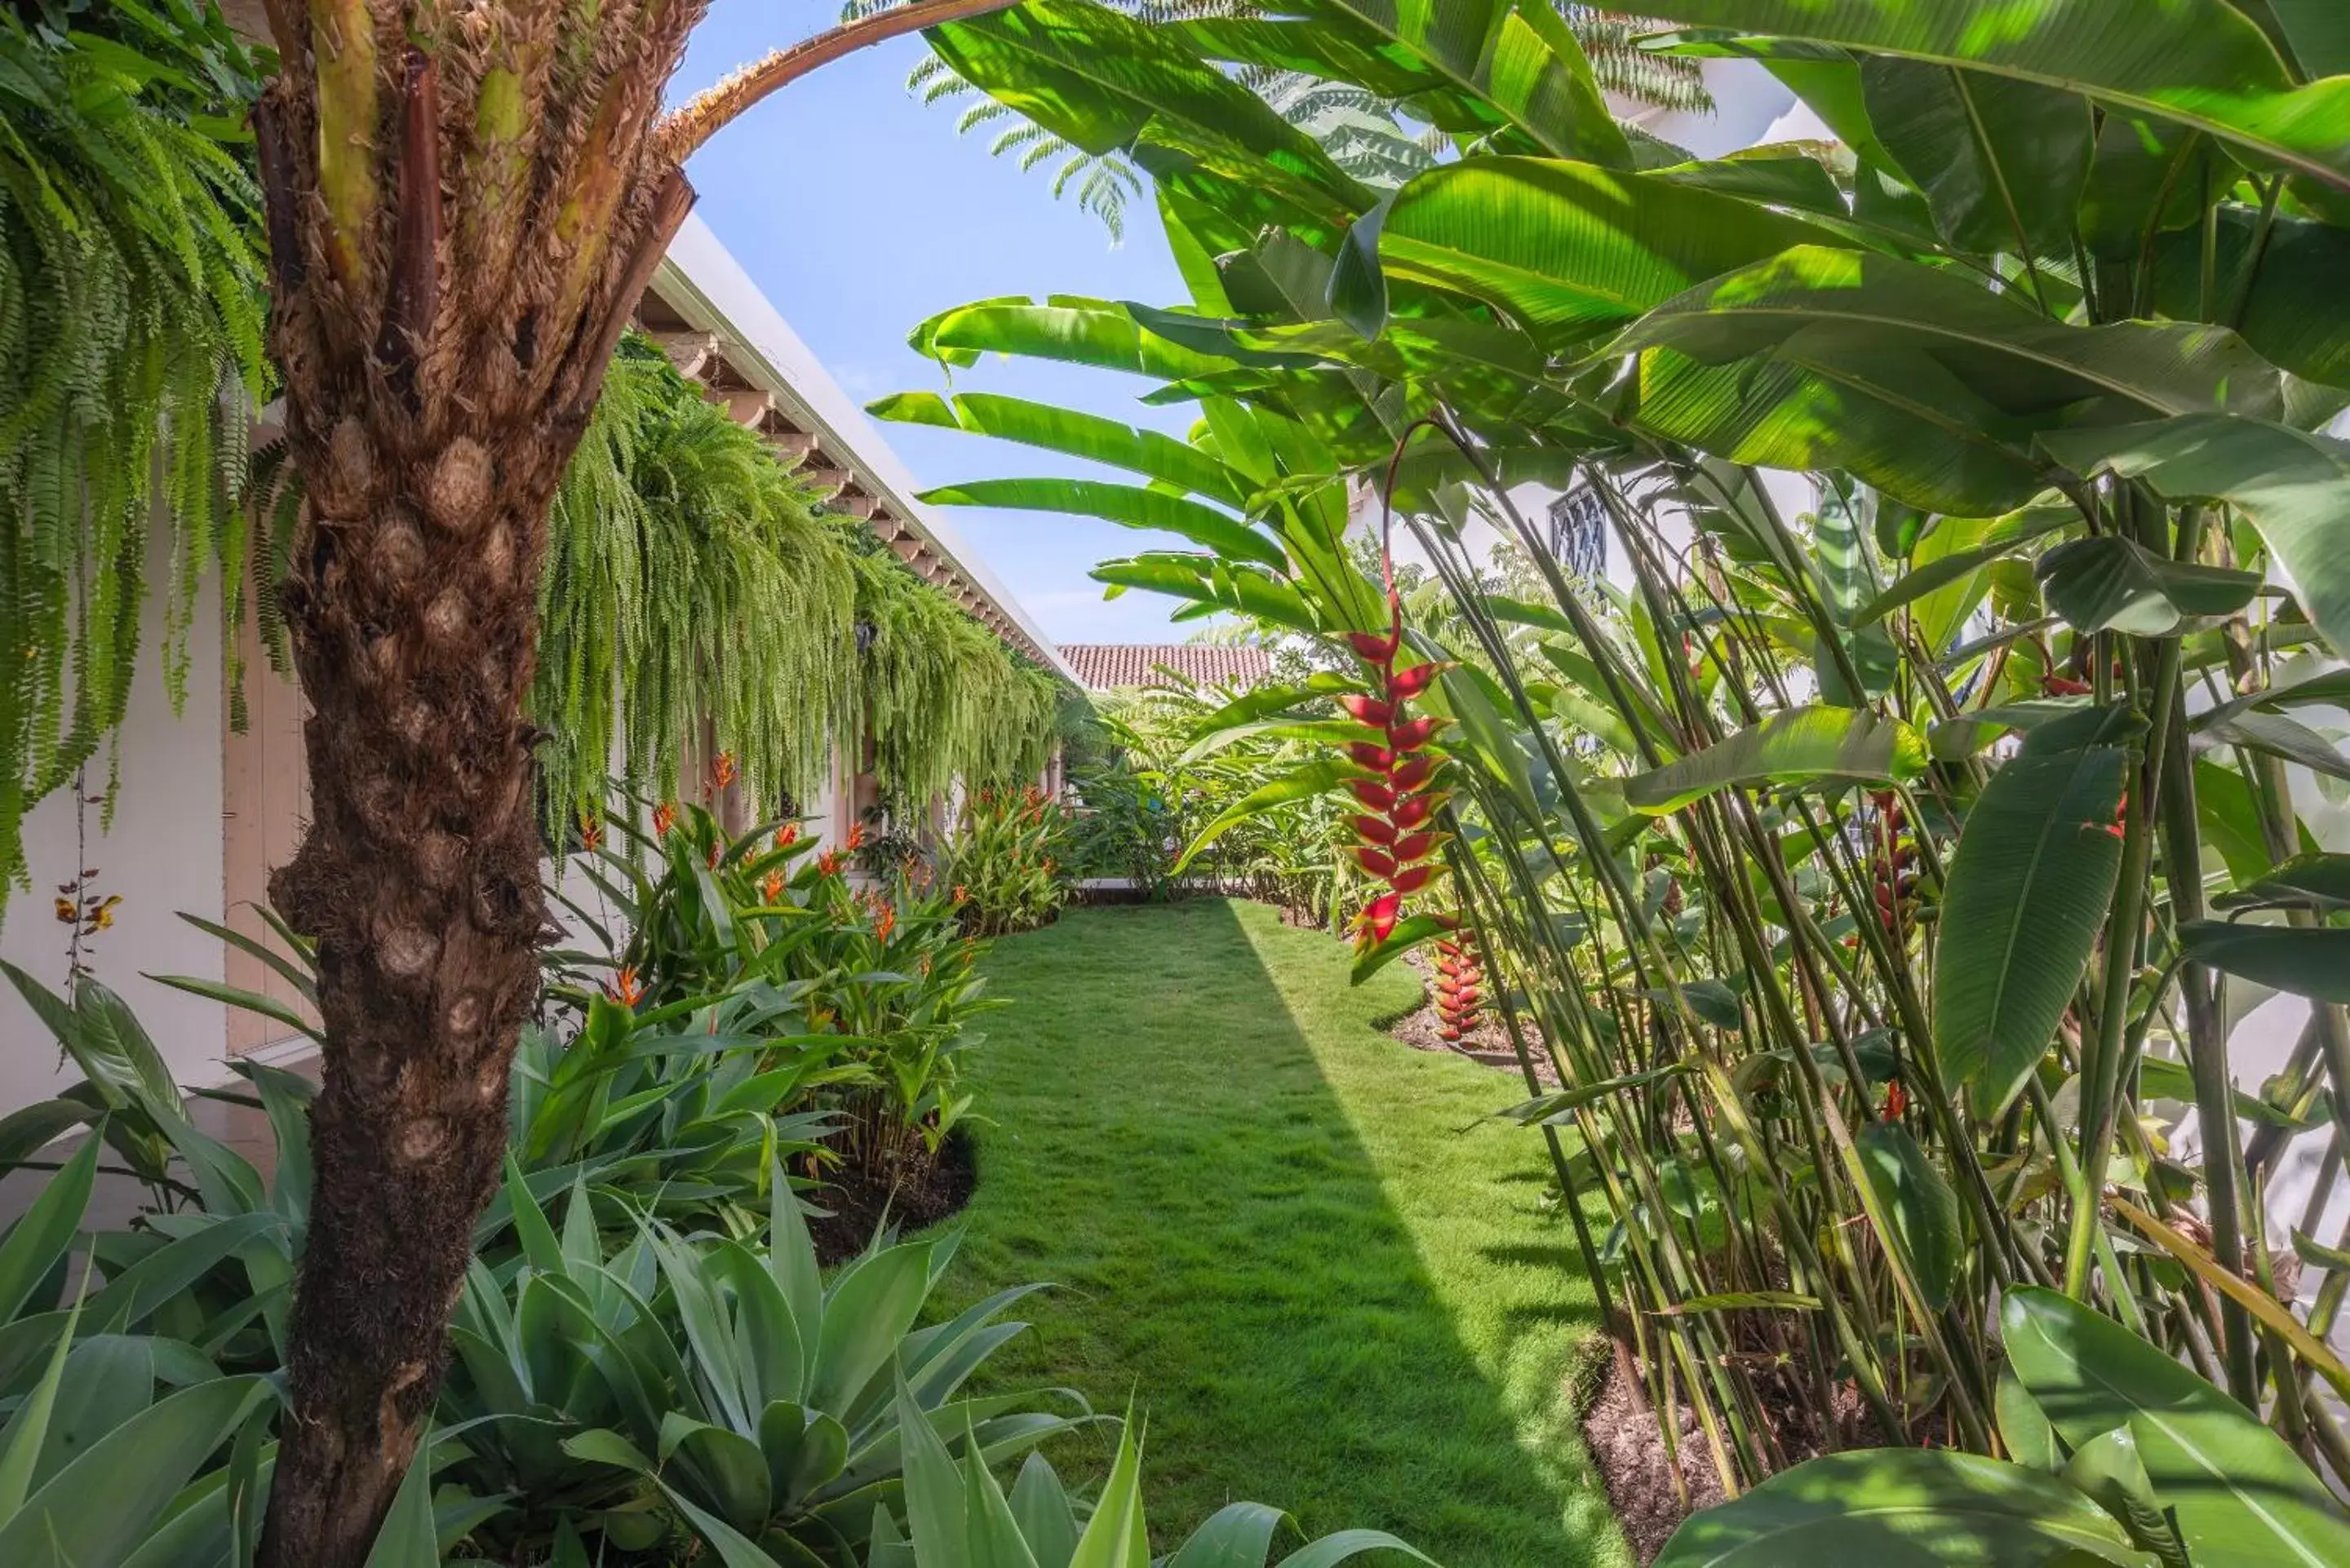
(131, 316)
(942, 698)
(689, 581)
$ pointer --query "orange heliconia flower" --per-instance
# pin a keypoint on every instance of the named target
(591, 833)
(962, 894)
(885, 919)
(829, 863)
(664, 818)
(723, 772)
(624, 988)
(772, 888)
(788, 836)
(857, 836)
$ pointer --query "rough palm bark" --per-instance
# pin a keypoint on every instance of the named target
(465, 199)
(450, 276)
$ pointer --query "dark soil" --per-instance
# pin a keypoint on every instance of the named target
(1487, 1044)
(919, 1198)
(1628, 1446)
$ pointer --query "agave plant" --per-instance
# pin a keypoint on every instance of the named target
(719, 1388)
(955, 1513)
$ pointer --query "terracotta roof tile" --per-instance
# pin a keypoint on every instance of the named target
(1105, 666)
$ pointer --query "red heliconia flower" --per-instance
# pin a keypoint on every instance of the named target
(788, 836)
(1414, 847)
(664, 818)
(829, 863)
(1449, 1034)
(1373, 647)
(1377, 862)
(624, 988)
(2064, 686)
(1367, 709)
(1377, 920)
(771, 886)
(1373, 829)
(857, 836)
(1405, 684)
(723, 771)
(885, 919)
(1408, 776)
(591, 833)
(1412, 878)
(716, 850)
(1366, 755)
(1897, 1100)
(1414, 734)
(1412, 810)
(1375, 796)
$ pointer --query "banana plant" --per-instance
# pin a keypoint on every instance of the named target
(1867, 868)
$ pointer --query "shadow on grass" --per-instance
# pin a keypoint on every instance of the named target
(1274, 1236)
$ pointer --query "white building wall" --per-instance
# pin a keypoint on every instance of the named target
(163, 855)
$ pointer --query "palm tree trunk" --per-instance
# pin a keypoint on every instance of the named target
(429, 459)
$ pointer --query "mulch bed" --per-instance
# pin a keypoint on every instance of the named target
(1487, 1044)
(857, 1208)
(1621, 1431)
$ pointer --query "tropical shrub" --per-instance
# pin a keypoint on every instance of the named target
(1867, 871)
(856, 1000)
(956, 1514)
(1008, 860)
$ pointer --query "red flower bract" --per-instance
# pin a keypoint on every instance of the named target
(1414, 847)
(1367, 709)
(1408, 683)
(1377, 862)
(1413, 810)
(1366, 755)
(1412, 773)
(1412, 878)
(1373, 647)
(1414, 734)
(1377, 797)
(1372, 828)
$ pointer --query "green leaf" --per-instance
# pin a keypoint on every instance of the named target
(24, 1131)
(868, 1310)
(1358, 289)
(1316, 778)
(1406, 935)
(1126, 506)
(2001, 162)
(2291, 487)
(2029, 886)
(2198, 62)
(408, 1538)
(98, 1508)
(2108, 1467)
(1801, 745)
(1925, 1210)
(1734, 1301)
(2241, 1496)
(2113, 584)
(2275, 735)
(1114, 1536)
(2160, 1079)
(2023, 1427)
(1571, 249)
(1237, 1535)
(2320, 881)
(1097, 440)
(1047, 1521)
(2313, 961)
(1901, 1505)
(39, 1239)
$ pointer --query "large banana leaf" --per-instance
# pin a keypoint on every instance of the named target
(1090, 332)
(2240, 1496)
(2029, 886)
(1801, 745)
(2294, 487)
(2002, 161)
(1570, 249)
(1823, 305)
(1902, 1506)
(1480, 69)
(2201, 63)
(1147, 452)
(1128, 506)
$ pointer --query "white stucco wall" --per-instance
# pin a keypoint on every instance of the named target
(162, 857)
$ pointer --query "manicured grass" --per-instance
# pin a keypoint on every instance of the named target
(1324, 1280)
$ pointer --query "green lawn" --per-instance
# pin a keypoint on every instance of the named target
(1325, 1281)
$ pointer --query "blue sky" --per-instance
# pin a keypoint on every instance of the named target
(859, 212)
